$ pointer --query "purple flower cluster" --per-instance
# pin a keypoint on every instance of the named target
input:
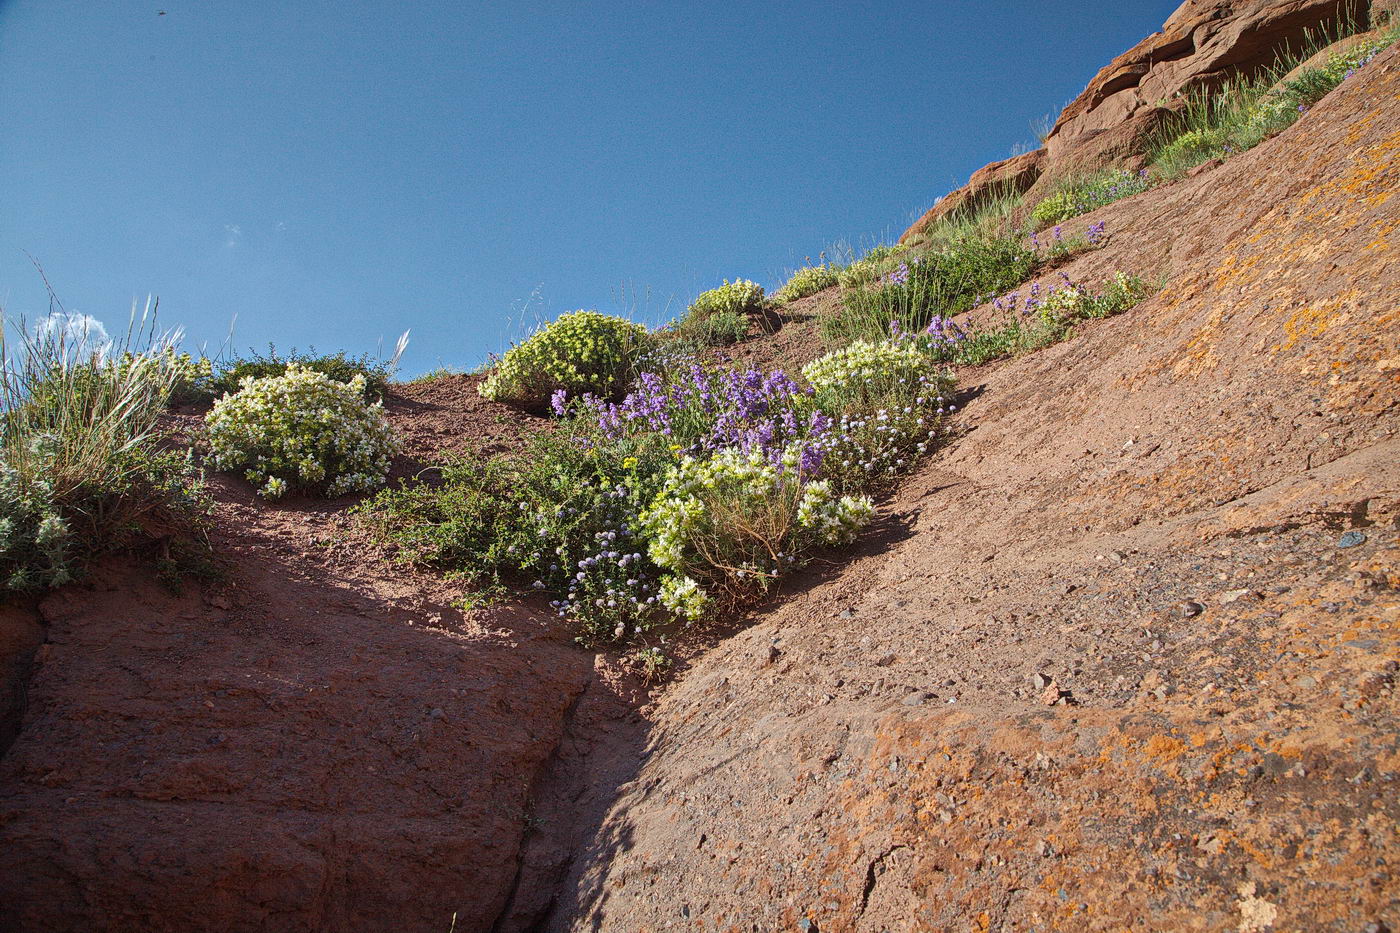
(1037, 296)
(1097, 234)
(899, 276)
(704, 411)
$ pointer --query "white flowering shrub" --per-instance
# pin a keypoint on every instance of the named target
(871, 368)
(302, 431)
(738, 297)
(726, 527)
(580, 352)
(807, 281)
(886, 399)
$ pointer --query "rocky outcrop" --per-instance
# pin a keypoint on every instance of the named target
(302, 749)
(1201, 45)
(1126, 656)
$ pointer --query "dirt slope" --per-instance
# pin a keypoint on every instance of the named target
(1150, 517)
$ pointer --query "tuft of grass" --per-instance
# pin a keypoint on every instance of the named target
(717, 329)
(83, 467)
(942, 281)
(339, 366)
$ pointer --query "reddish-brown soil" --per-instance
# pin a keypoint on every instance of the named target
(1121, 657)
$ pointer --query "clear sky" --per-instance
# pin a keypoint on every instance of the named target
(333, 172)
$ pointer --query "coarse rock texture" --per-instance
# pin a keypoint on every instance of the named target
(1202, 44)
(1124, 655)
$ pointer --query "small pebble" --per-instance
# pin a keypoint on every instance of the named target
(1351, 539)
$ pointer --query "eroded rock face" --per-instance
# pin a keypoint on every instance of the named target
(306, 750)
(1126, 656)
(1201, 44)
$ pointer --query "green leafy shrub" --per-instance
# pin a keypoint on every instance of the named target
(726, 528)
(584, 351)
(1194, 147)
(374, 374)
(302, 431)
(1058, 207)
(82, 470)
(738, 297)
(807, 281)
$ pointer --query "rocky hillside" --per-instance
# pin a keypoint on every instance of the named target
(1123, 656)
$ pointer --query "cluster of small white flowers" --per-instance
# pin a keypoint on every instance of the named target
(302, 430)
(684, 597)
(867, 362)
(831, 519)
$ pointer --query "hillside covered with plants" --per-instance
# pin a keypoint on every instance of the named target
(1036, 571)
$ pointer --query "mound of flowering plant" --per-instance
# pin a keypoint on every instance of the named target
(887, 399)
(699, 411)
(585, 351)
(738, 297)
(302, 431)
(867, 369)
(807, 281)
(1089, 194)
(726, 527)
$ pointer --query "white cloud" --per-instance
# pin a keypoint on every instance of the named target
(75, 334)
(233, 235)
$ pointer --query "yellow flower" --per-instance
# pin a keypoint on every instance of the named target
(629, 463)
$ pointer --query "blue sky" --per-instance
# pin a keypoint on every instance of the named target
(333, 173)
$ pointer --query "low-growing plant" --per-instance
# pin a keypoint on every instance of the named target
(302, 431)
(583, 351)
(807, 281)
(739, 297)
(726, 527)
(1046, 315)
(83, 469)
(560, 517)
(374, 374)
(1083, 194)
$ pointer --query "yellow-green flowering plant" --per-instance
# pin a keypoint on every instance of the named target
(725, 528)
(807, 281)
(738, 297)
(302, 431)
(584, 351)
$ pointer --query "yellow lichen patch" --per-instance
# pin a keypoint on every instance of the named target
(1313, 321)
(1164, 749)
